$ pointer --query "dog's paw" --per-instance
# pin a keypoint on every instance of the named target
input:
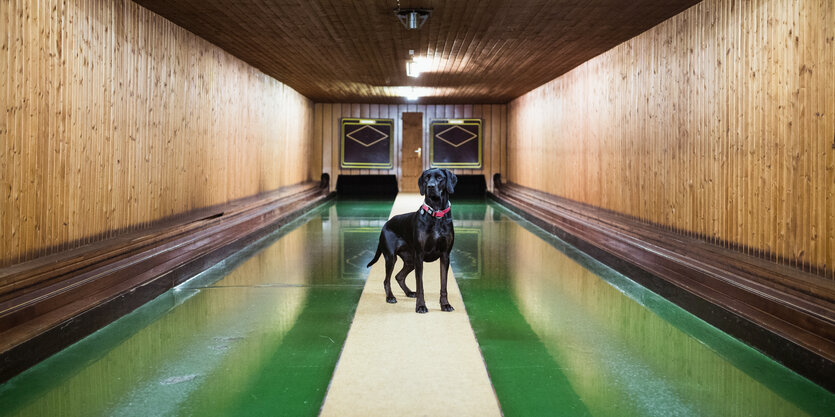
(447, 307)
(411, 294)
(421, 309)
(391, 300)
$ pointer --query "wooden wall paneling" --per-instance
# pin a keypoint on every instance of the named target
(318, 167)
(337, 113)
(11, 139)
(346, 110)
(725, 135)
(401, 108)
(32, 148)
(497, 151)
(501, 155)
(328, 144)
(6, 152)
(448, 111)
(359, 110)
(816, 29)
(37, 126)
(385, 114)
(429, 114)
(374, 112)
(390, 112)
(709, 124)
(827, 72)
(396, 112)
(23, 94)
(117, 119)
(28, 153)
(475, 112)
(780, 130)
(495, 123)
(750, 195)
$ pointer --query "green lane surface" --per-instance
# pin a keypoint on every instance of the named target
(258, 334)
(562, 334)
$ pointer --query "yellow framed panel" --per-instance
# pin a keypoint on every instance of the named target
(455, 143)
(366, 143)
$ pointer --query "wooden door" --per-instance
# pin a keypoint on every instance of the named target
(411, 160)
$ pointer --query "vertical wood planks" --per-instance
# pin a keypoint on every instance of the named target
(115, 118)
(717, 123)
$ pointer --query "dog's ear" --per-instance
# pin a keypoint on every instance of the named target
(451, 180)
(422, 183)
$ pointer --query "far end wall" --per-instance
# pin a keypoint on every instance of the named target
(718, 123)
(494, 131)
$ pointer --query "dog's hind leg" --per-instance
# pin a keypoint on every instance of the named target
(401, 278)
(408, 266)
(387, 282)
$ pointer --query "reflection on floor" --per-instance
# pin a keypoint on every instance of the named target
(559, 331)
(259, 333)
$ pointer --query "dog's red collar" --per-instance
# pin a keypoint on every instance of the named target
(435, 213)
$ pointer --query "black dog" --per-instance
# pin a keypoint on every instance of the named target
(422, 236)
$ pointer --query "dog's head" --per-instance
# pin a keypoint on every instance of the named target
(435, 182)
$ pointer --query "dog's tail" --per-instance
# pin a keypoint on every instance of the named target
(379, 252)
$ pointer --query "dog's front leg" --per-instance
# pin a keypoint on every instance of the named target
(445, 306)
(420, 306)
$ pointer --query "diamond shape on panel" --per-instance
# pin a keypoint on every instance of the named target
(367, 136)
(456, 136)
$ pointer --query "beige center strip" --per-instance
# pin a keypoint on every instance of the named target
(399, 363)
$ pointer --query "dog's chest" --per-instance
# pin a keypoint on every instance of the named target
(436, 238)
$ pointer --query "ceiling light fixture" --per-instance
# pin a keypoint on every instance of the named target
(416, 65)
(412, 19)
(410, 93)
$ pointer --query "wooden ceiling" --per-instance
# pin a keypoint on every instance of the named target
(481, 51)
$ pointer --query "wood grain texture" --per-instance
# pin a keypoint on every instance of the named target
(411, 161)
(115, 118)
(494, 130)
(717, 123)
(480, 51)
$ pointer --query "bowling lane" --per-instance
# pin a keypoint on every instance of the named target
(562, 334)
(258, 334)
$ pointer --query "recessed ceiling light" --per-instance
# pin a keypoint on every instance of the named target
(416, 65)
(411, 94)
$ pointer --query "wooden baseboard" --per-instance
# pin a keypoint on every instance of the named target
(48, 304)
(784, 312)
